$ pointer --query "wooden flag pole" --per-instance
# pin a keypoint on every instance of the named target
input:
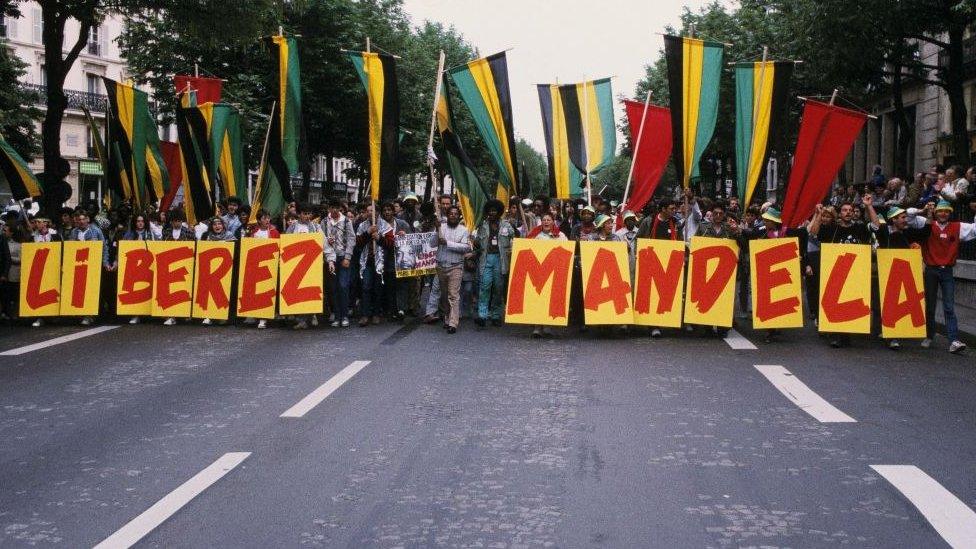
(433, 118)
(264, 159)
(633, 159)
(586, 148)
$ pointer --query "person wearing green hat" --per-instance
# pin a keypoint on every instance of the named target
(603, 225)
(940, 252)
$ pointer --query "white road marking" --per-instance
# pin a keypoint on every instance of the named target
(950, 517)
(57, 341)
(801, 395)
(317, 396)
(137, 528)
(738, 342)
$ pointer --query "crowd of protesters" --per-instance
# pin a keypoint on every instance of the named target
(934, 212)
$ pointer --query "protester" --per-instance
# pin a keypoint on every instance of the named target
(454, 244)
(341, 235)
(547, 230)
(493, 244)
(940, 251)
(377, 261)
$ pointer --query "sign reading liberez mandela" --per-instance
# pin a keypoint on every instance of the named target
(416, 254)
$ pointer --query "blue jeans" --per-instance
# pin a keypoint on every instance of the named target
(490, 291)
(371, 302)
(340, 291)
(937, 278)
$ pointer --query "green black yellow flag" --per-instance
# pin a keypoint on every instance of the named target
(13, 169)
(193, 131)
(761, 101)
(694, 74)
(135, 164)
(471, 193)
(273, 189)
(590, 129)
(377, 72)
(483, 86)
(289, 128)
(564, 177)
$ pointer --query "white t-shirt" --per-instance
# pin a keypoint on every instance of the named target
(262, 233)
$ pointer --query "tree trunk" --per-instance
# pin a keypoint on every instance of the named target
(953, 77)
(905, 129)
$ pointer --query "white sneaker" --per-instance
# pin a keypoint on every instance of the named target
(87, 321)
(169, 322)
(926, 343)
(134, 320)
(334, 324)
(262, 324)
(38, 323)
(207, 322)
(345, 322)
(315, 321)
(655, 333)
(957, 346)
(894, 345)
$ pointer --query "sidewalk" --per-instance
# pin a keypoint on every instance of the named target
(965, 317)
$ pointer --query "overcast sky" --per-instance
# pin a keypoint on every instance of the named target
(565, 40)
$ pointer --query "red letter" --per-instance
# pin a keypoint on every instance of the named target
(835, 311)
(166, 277)
(616, 289)
(555, 266)
(893, 310)
(35, 299)
(664, 279)
(209, 288)
(768, 278)
(80, 276)
(137, 270)
(706, 291)
(255, 272)
(311, 254)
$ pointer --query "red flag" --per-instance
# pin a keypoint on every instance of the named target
(208, 89)
(827, 133)
(652, 154)
(173, 160)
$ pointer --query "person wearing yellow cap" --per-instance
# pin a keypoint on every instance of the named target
(940, 252)
(628, 234)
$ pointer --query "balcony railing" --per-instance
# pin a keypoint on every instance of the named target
(95, 102)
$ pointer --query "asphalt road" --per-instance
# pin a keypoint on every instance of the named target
(173, 437)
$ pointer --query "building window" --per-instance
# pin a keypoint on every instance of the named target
(91, 80)
(94, 44)
(43, 74)
(38, 26)
(4, 22)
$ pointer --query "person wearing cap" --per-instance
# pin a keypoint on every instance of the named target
(586, 226)
(493, 244)
(409, 289)
(940, 252)
(603, 230)
(628, 234)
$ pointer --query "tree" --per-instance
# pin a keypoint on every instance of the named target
(534, 169)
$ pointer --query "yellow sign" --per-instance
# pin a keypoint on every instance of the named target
(81, 277)
(710, 295)
(902, 293)
(775, 280)
(213, 273)
(40, 279)
(539, 280)
(173, 283)
(606, 283)
(301, 277)
(135, 279)
(845, 288)
(257, 279)
(658, 283)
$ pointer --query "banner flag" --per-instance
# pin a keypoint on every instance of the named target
(377, 71)
(710, 295)
(173, 280)
(565, 179)
(471, 192)
(301, 277)
(761, 101)
(902, 293)
(845, 307)
(207, 90)
(287, 134)
(81, 278)
(607, 295)
(213, 269)
(827, 133)
(659, 282)
(416, 254)
(694, 75)
(591, 132)
(136, 276)
(40, 280)
(775, 280)
(483, 86)
(257, 278)
(135, 160)
(23, 183)
(539, 280)
(198, 184)
(652, 154)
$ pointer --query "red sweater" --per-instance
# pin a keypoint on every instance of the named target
(942, 247)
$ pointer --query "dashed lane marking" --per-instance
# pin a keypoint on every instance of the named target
(952, 519)
(801, 395)
(738, 342)
(318, 395)
(137, 528)
(57, 341)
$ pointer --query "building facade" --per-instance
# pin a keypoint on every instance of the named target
(930, 116)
